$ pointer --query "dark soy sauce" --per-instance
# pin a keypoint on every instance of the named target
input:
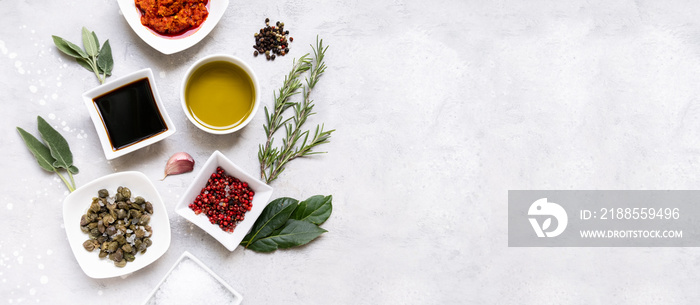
(130, 114)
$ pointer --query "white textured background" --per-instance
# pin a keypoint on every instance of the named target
(440, 108)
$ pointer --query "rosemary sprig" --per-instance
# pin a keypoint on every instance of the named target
(273, 159)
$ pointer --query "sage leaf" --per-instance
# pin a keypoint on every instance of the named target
(68, 47)
(73, 169)
(38, 149)
(104, 60)
(90, 43)
(97, 41)
(272, 217)
(85, 64)
(295, 233)
(315, 209)
(58, 145)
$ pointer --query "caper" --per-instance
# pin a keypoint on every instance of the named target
(125, 191)
(129, 257)
(144, 219)
(139, 200)
(122, 205)
(85, 229)
(127, 248)
(120, 239)
(95, 207)
(109, 219)
(135, 214)
(103, 193)
(113, 246)
(118, 255)
(149, 207)
(103, 254)
(119, 197)
(101, 239)
(100, 226)
(90, 244)
(111, 230)
(121, 214)
(148, 242)
(120, 263)
(83, 220)
(140, 233)
(94, 233)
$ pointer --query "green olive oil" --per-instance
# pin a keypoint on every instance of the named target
(220, 95)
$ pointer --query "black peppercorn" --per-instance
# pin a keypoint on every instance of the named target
(271, 40)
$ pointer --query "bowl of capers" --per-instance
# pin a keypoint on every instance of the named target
(116, 224)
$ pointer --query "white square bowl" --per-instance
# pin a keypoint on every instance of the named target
(89, 96)
(170, 45)
(77, 203)
(263, 192)
(187, 273)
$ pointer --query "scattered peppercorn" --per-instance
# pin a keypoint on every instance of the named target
(271, 40)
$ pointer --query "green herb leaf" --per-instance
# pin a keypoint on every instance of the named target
(73, 169)
(272, 217)
(90, 43)
(97, 41)
(295, 233)
(104, 59)
(316, 209)
(38, 149)
(58, 145)
(69, 48)
(84, 63)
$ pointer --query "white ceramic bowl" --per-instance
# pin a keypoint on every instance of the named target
(109, 150)
(77, 203)
(189, 271)
(236, 61)
(260, 200)
(167, 45)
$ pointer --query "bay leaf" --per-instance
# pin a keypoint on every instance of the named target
(58, 145)
(38, 149)
(315, 209)
(295, 233)
(104, 60)
(272, 217)
(68, 47)
(90, 43)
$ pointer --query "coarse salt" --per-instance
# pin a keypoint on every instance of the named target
(189, 283)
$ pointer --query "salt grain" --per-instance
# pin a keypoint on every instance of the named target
(200, 285)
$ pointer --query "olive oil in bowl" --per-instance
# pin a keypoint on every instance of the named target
(219, 95)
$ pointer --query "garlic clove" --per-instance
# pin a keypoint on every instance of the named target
(179, 163)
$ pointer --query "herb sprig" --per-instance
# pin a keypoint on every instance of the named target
(92, 57)
(297, 142)
(52, 155)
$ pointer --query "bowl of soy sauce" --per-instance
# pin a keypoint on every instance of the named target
(128, 114)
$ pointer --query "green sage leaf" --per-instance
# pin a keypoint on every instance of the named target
(104, 59)
(68, 47)
(73, 169)
(272, 217)
(58, 145)
(84, 63)
(38, 149)
(295, 233)
(97, 41)
(90, 43)
(316, 209)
